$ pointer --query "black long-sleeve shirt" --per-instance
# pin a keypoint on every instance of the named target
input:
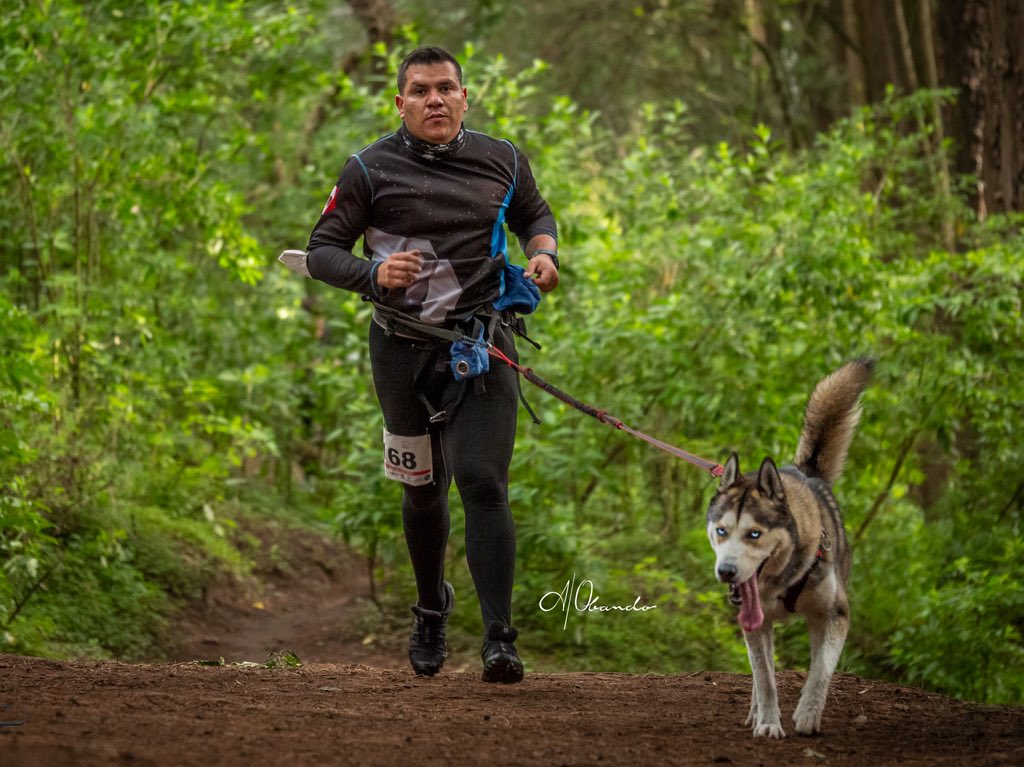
(450, 202)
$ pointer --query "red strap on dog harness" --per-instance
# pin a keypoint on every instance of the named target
(793, 592)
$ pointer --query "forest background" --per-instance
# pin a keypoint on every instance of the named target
(749, 193)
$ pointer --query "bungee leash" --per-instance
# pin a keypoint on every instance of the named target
(396, 318)
(715, 469)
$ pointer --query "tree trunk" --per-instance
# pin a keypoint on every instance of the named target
(927, 28)
(378, 19)
(996, 87)
(854, 63)
(878, 57)
(983, 56)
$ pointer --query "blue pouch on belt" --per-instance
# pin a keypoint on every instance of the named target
(518, 294)
(470, 359)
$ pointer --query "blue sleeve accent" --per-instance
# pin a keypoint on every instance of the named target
(499, 242)
(366, 173)
(516, 293)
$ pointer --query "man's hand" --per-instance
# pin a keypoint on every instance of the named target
(399, 270)
(541, 269)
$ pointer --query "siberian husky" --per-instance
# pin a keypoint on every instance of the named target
(779, 542)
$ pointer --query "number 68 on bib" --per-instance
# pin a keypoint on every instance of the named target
(408, 459)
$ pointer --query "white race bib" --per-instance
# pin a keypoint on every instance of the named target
(408, 459)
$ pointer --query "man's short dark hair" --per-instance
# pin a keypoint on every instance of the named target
(426, 56)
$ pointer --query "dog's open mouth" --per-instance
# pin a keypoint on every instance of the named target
(748, 597)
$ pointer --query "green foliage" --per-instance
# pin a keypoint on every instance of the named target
(726, 284)
(971, 611)
(161, 376)
(133, 414)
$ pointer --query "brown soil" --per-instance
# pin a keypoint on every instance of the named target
(355, 702)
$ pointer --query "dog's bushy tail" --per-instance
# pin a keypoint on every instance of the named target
(830, 420)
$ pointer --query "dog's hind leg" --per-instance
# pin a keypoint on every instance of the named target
(827, 635)
(764, 705)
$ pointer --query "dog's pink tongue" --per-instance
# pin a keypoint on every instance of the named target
(751, 615)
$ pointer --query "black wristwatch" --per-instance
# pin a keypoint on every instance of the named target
(546, 252)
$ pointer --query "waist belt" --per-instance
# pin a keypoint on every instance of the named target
(404, 326)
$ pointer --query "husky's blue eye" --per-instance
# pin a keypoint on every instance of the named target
(720, 531)
(754, 534)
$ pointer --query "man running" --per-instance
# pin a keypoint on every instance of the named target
(431, 201)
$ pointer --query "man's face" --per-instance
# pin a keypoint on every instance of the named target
(433, 102)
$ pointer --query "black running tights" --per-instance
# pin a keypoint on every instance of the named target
(473, 446)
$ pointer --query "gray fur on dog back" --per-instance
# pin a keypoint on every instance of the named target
(830, 420)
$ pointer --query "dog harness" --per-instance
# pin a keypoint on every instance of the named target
(793, 592)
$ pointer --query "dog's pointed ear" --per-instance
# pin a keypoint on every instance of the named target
(769, 481)
(730, 472)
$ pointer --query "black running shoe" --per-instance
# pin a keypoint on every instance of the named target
(501, 661)
(427, 646)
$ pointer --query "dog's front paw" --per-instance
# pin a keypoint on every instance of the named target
(769, 731)
(807, 720)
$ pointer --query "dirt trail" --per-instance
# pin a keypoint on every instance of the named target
(308, 597)
(356, 703)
